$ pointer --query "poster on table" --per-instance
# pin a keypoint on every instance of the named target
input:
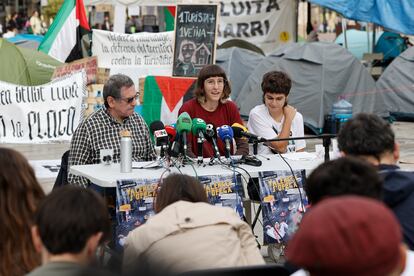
(144, 53)
(44, 113)
(195, 38)
(135, 200)
(283, 203)
(266, 24)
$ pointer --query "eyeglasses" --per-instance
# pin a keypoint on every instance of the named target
(212, 82)
(131, 99)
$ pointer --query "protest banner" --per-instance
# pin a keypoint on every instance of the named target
(49, 112)
(135, 200)
(146, 53)
(265, 23)
(283, 203)
(195, 38)
(90, 64)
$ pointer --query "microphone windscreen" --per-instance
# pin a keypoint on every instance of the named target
(198, 125)
(171, 132)
(225, 132)
(237, 131)
(156, 125)
(210, 131)
(242, 127)
(184, 122)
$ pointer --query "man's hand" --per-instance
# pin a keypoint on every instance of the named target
(289, 112)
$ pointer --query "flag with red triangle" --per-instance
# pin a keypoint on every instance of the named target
(63, 39)
(163, 97)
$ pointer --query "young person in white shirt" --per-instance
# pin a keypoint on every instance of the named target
(275, 118)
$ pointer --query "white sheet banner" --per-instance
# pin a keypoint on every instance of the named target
(265, 23)
(49, 112)
(148, 53)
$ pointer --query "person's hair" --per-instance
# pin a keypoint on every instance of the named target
(343, 176)
(276, 82)
(209, 71)
(366, 134)
(178, 187)
(20, 194)
(114, 85)
(68, 217)
(180, 54)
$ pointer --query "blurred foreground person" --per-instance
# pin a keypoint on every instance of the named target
(69, 226)
(371, 138)
(187, 233)
(20, 194)
(348, 235)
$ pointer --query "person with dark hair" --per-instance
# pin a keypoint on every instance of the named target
(371, 138)
(343, 176)
(20, 194)
(187, 233)
(212, 104)
(348, 235)
(69, 226)
(275, 118)
(101, 130)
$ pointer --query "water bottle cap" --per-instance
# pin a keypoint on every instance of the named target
(125, 133)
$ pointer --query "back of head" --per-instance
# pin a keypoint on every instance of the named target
(20, 194)
(114, 85)
(347, 235)
(68, 217)
(343, 176)
(178, 187)
(276, 82)
(366, 134)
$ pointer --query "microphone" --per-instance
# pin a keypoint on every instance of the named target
(226, 135)
(241, 131)
(183, 127)
(211, 135)
(171, 133)
(199, 128)
(160, 136)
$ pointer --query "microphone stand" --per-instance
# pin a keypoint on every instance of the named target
(326, 141)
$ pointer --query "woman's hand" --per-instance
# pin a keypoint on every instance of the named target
(289, 112)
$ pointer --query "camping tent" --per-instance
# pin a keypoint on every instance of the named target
(238, 64)
(396, 85)
(357, 41)
(25, 66)
(321, 73)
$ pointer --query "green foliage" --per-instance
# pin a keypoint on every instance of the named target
(52, 8)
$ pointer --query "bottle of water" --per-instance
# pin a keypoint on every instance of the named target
(126, 152)
(342, 110)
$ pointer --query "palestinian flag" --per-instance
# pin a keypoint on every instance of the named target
(63, 39)
(163, 97)
(169, 15)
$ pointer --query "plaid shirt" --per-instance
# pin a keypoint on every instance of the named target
(101, 131)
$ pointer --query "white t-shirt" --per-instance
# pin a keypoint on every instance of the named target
(263, 125)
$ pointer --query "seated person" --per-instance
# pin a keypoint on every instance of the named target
(275, 118)
(20, 194)
(187, 233)
(69, 225)
(101, 130)
(348, 235)
(212, 104)
(371, 138)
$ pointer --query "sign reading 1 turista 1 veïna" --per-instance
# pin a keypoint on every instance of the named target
(40, 113)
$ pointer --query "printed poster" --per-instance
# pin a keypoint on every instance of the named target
(283, 203)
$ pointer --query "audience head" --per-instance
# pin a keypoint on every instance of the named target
(343, 176)
(113, 87)
(71, 220)
(207, 72)
(178, 187)
(20, 194)
(367, 135)
(348, 235)
(276, 82)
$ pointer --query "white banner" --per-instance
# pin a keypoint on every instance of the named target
(264, 23)
(146, 53)
(49, 112)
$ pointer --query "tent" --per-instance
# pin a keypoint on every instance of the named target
(321, 72)
(396, 85)
(25, 66)
(30, 41)
(238, 64)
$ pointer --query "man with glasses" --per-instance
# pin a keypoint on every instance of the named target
(100, 131)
